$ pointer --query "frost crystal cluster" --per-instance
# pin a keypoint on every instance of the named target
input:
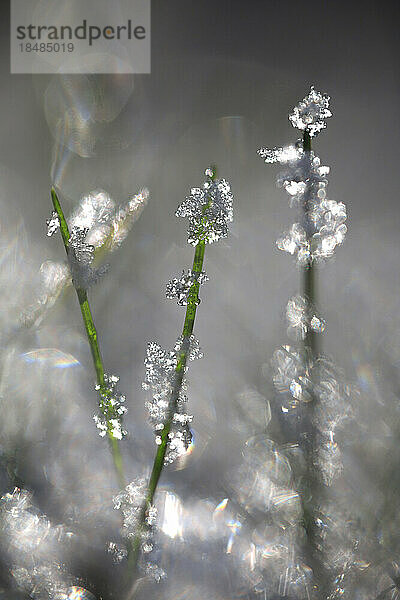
(97, 223)
(33, 547)
(162, 380)
(209, 210)
(112, 408)
(179, 287)
(130, 503)
(80, 257)
(322, 225)
(316, 402)
(311, 113)
(302, 318)
(53, 224)
(107, 225)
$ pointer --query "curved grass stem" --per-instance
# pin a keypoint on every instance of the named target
(91, 334)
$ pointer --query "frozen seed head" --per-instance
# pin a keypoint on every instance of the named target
(180, 287)
(112, 408)
(53, 224)
(209, 210)
(311, 113)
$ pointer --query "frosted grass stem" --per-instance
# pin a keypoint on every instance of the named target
(182, 358)
(179, 373)
(158, 464)
(309, 270)
(93, 341)
(311, 343)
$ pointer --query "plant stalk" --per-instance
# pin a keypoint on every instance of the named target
(92, 339)
(188, 325)
(180, 368)
(311, 488)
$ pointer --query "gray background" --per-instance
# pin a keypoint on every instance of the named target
(224, 77)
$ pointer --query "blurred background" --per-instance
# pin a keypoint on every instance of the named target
(224, 77)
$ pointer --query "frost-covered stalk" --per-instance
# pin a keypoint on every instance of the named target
(305, 377)
(309, 270)
(105, 385)
(208, 209)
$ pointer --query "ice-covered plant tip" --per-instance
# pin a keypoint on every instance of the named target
(209, 210)
(315, 401)
(97, 225)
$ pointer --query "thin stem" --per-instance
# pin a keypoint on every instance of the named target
(92, 339)
(188, 325)
(311, 487)
(180, 368)
(309, 271)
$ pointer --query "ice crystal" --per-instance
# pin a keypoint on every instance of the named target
(281, 155)
(53, 224)
(107, 224)
(97, 223)
(117, 551)
(209, 210)
(179, 440)
(151, 516)
(130, 502)
(329, 459)
(334, 397)
(326, 229)
(155, 572)
(80, 256)
(180, 288)
(32, 544)
(124, 218)
(295, 241)
(112, 408)
(304, 179)
(190, 346)
(94, 209)
(311, 113)
(161, 380)
(302, 318)
(54, 277)
(292, 374)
